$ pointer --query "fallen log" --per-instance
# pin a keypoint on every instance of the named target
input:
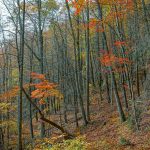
(67, 135)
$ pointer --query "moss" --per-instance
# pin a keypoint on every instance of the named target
(123, 141)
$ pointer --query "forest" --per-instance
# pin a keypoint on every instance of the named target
(74, 74)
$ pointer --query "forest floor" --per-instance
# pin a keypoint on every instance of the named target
(106, 132)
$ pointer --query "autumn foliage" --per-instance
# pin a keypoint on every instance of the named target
(12, 93)
(80, 5)
(110, 59)
(43, 88)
